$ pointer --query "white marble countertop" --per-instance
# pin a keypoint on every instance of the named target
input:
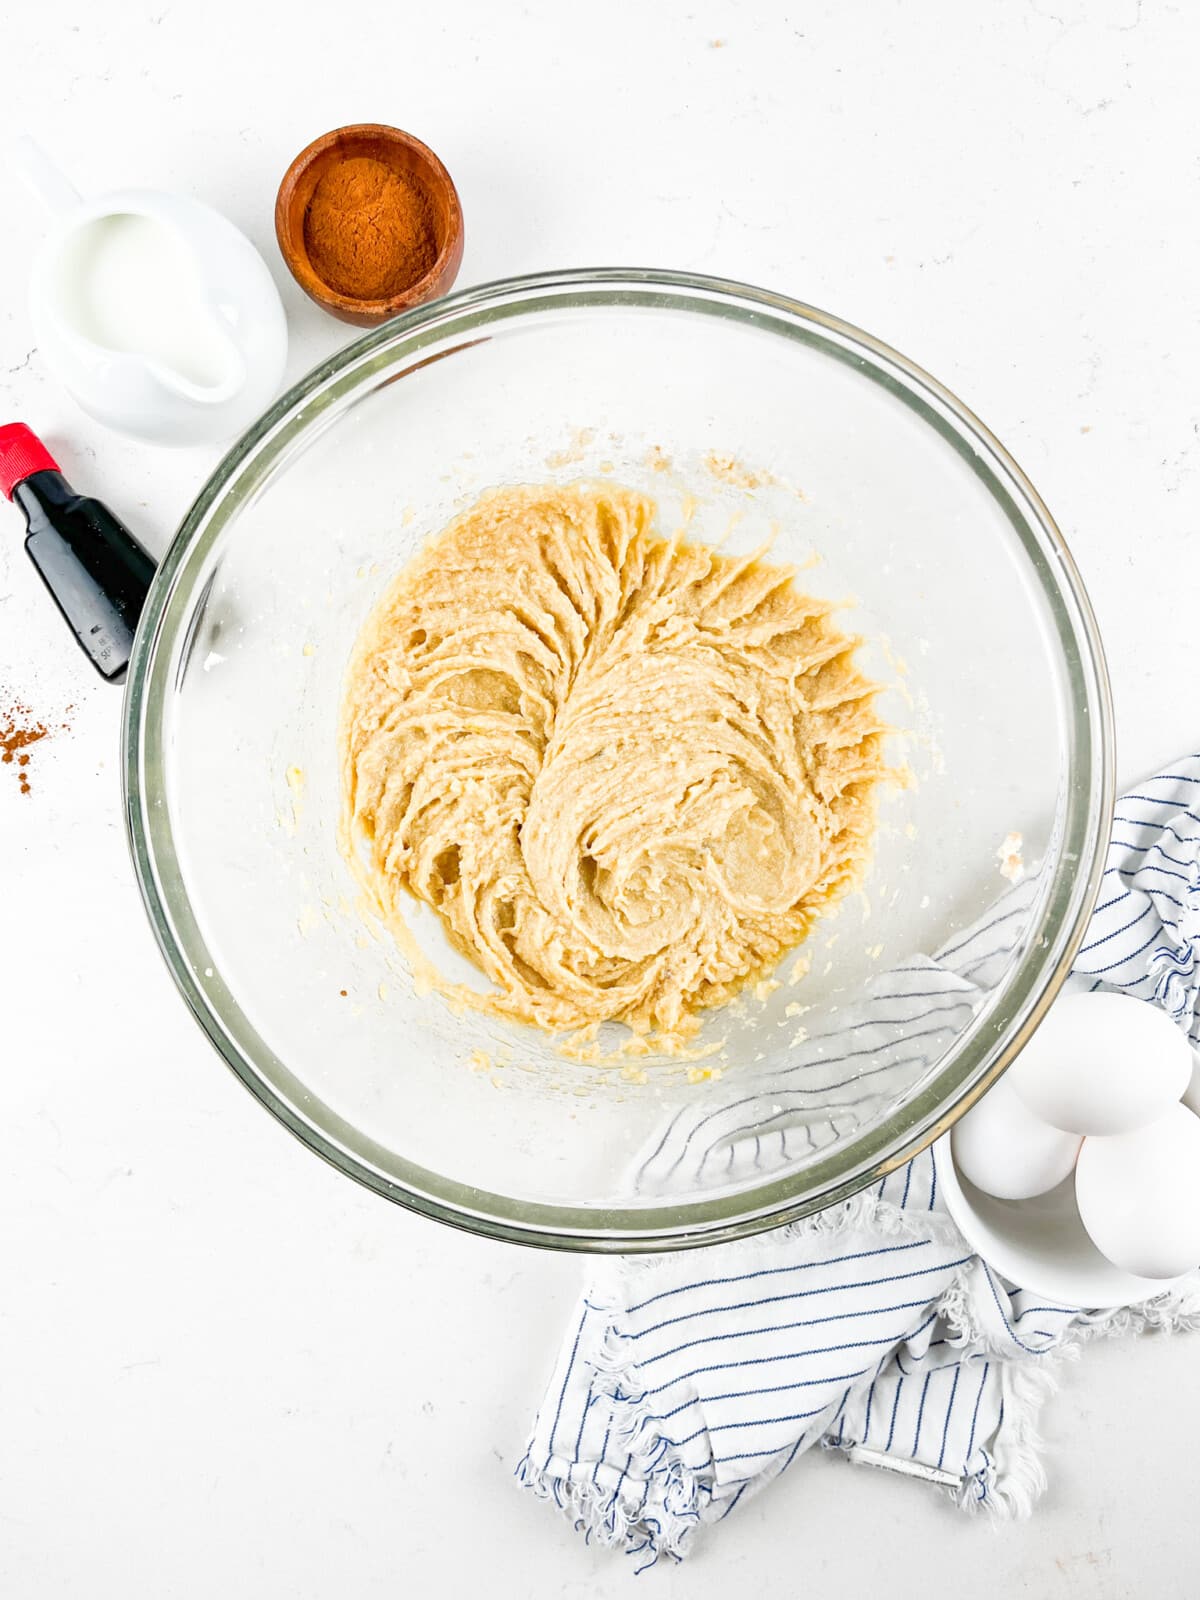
(224, 1369)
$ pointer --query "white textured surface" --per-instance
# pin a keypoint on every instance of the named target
(226, 1370)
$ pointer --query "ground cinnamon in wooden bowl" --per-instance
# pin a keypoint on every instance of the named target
(369, 223)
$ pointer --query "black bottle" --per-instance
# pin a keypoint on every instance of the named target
(93, 566)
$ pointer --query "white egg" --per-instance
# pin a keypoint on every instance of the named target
(1103, 1064)
(1139, 1195)
(1003, 1149)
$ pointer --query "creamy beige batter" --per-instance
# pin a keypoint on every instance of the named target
(627, 772)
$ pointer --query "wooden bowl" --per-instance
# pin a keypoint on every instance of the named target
(404, 154)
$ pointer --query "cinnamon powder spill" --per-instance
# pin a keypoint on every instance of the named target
(20, 729)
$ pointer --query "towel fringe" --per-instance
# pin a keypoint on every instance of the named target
(666, 1491)
(956, 1308)
(599, 1515)
(1177, 1310)
(867, 1213)
(1014, 1478)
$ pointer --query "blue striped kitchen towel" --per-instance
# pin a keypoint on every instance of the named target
(687, 1382)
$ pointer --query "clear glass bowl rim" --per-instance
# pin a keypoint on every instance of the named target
(975, 1062)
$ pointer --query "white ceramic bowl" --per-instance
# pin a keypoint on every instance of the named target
(1039, 1244)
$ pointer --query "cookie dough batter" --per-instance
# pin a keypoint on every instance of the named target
(628, 772)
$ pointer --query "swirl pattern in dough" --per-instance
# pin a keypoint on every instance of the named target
(628, 772)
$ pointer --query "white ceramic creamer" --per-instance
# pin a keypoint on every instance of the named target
(153, 310)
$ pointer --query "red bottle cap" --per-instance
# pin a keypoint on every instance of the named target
(22, 454)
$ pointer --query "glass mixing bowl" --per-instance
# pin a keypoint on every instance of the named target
(762, 419)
